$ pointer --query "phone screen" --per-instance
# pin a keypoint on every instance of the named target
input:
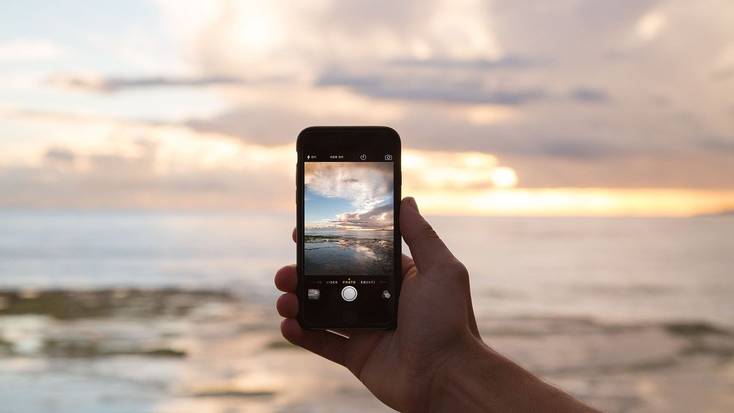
(350, 246)
(348, 209)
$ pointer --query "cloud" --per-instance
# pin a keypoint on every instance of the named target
(377, 218)
(590, 95)
(263, 123)
(558, 68)
(561, 93)
(691, 169)
(118, 182)
(724, 66)
(431, 88)
(650, 25)
(587, 149)
(365, 185)
(299, 40)
(118, 84)
(29, 50)
(444, 86)
(718, 144)
(90, 162)
(60, 156)
(443, 63)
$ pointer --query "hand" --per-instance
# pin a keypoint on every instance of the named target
(416, 368)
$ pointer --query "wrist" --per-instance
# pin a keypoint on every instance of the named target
(477, 378)
(460, 371)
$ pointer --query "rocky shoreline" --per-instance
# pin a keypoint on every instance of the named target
(337, 255)
(212, 351)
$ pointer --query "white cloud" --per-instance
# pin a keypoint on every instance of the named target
(298, 39)
(606, 108)
(650, 25)
(22, 50)
(366, 185)
(377, 218)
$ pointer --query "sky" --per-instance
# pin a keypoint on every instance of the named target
(567, 107)
(349, 195)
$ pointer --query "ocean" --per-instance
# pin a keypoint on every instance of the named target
(173, 311)
(608, 268)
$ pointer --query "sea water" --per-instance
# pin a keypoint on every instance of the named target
(629, 314)
(607, 268)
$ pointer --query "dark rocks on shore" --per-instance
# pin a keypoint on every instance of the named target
(338, 255)
(694, 329)
(76, 304)
(91, 348)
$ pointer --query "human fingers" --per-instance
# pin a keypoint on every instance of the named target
(323, 343)
(287, 305)
(407, 264)
(286, 279)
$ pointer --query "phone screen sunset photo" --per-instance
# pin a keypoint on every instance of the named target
(348, 218)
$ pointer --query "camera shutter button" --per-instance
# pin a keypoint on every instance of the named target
(349, 293)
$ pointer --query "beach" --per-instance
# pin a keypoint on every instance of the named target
(120, 312)
(194, 351)
(347, 255)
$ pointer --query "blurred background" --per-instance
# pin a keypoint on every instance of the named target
(578, 156)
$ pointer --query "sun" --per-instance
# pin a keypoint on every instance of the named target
(503, 177)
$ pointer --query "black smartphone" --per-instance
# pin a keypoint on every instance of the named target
(349, 247)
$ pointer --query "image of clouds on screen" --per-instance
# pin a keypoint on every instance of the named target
(349, 195)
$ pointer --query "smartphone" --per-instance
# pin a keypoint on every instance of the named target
(349, 248)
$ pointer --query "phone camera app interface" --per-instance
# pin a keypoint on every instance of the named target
(349, 248)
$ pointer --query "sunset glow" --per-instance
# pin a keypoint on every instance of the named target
(503, 177)
(201, 109)
(579, 202)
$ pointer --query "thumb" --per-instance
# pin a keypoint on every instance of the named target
(425, 246)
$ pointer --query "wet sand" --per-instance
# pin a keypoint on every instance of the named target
(210, 351)
(339, 255)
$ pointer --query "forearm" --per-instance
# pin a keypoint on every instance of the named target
(481, 380)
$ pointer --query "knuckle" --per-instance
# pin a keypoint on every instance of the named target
(454, 268)
(461, 270)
